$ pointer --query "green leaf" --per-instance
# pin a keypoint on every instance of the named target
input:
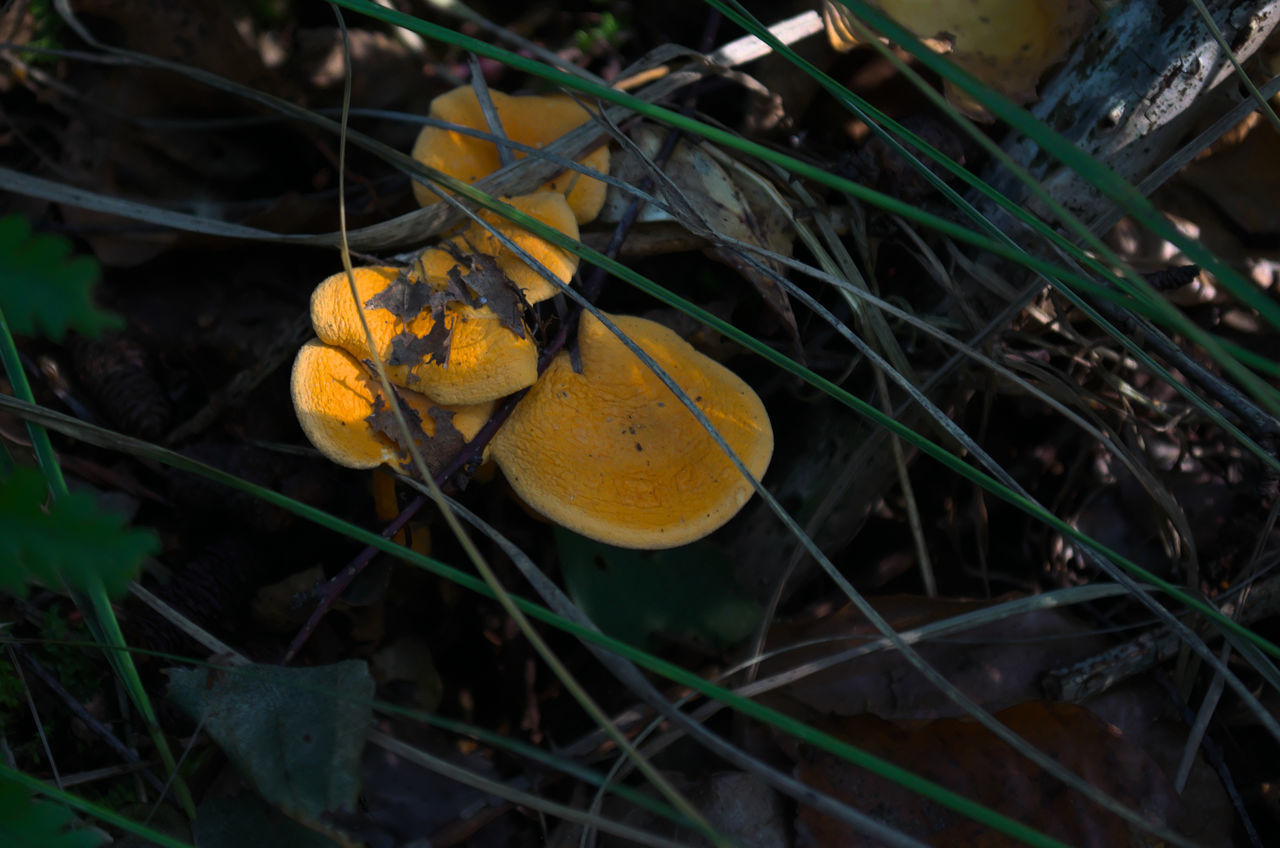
(28, 823)
(72, 540)
(685, 593)
(295, 733)
(43, 289)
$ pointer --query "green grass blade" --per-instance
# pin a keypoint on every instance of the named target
(98, 436)
(1111, 185)
(92, 597)
(30, 784)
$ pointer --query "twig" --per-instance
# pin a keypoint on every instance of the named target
(79, 711)
(239, 386)
(1083, 680)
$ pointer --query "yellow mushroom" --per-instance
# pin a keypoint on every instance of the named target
(534, 121)
(486, 358)
(551, 209)
(611, 453)
(336, 399)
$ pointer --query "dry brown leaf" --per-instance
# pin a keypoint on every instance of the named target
(438, 441)
(996, 664)
(734, 203)
(963, 756)
(1242, 181)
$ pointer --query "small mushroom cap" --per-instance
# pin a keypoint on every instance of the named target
(333, 397)
(611, 453)
(535, 120)
(551, 209)
(486, 359)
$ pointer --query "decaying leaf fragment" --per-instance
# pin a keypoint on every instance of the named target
(1008, 44)
(965, 757)
(715, 197)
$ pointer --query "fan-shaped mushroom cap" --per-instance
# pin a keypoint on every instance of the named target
(487, 360)
(551, 209)
(612, 454)
(334, 398)
(535, 120)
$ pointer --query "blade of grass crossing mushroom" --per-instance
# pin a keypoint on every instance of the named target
(872, 615)
(660, 783)
(92, 434)
(406, 164)
(628, 674)
(730, 334)
(734, 142)
(422, 173)
(93, 600)
(491, 119)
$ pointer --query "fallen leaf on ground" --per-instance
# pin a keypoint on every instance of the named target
(295, 733)
(713, 201)
(997, 664)
(964, 757)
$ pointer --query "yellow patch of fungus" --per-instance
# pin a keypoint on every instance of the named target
(334, 397)
(611, 453)
(534, 120)
(486, 359)
(551, 209)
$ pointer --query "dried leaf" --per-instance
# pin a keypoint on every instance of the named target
(438, 441)
(997, 664)
(409, 349)
(238, 820)
(963, 756)
(1241, 181)
(491, 288)
(713, 202)
(405, 297)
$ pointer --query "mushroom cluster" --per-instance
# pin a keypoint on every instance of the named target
(599, 444)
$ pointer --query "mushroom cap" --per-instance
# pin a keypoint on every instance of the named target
(533, 120)
(551, 209)
(333, 397)
(486, 359)
(611, 453)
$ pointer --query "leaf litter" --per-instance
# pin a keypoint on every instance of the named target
(1003, 666)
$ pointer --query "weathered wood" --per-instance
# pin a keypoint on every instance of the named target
(1132, 88)
(1127, 94)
